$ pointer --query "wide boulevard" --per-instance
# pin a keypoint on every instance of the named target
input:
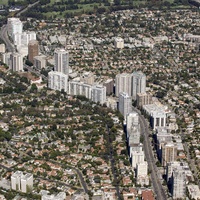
(157, 186)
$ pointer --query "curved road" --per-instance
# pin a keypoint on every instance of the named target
(158, 189)
(4, 36)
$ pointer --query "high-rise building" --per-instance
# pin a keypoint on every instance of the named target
(134, 135)
(123, 83)
(137, 157)
(125, 104)
(14, 26)
(61, 61)
(27, 182)
(21, 182)
(40, 62)
(24, 38)
(80, 88)
(58, 81)
(132, 119)
(141, 169)
(6, 58)
(33, 50)
(16, 180)
(109, 84)
(178, 184)
(99, 94)
(169, 153)
(143, 99)
(138, 84)
(16, 62)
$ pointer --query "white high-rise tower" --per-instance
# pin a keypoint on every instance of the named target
(125, 104)
(138, 84)
(123, 83)
(16, 62)
(62, 61)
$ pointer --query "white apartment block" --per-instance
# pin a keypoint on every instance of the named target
(132, 119)
(2, 48)
(171, 166)
(178, 184)
(142, 173)
(26, 183)
(6, 58)
(142, 169)
(40, 61)
(119, 43)
(22, 39)
(79, 88)
(59, 196)
(99, 94)
(135, 148)
(16, 62)
(157, 115)
(123, 83)
(61, 57)
(134, 135)
(14, 26)
(137, 157)
(16, 180)
(125, 104)
(58, 81)
(138, 84)
(21, 182)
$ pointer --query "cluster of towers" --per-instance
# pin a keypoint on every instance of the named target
(127, 87)
(24, 43)
(59, 80)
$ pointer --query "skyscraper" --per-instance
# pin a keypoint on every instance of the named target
(138, 83)
(125, 104)
(61, 61)
(123, 84)
(16, 62)
(33, 50)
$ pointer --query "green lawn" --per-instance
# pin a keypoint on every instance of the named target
(3, 2)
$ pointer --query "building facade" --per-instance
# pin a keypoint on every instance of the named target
(99, 94)
(125, 104)
(33, 50)
(58, 81)
(80, 88)
(109, 84)
(40, 61)
(138, 83)
(169, 153)
(14, 26)
(61, 61)
(178, 184)
(143, 99)
(22, 182)
(123, 83)
(16, 62)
